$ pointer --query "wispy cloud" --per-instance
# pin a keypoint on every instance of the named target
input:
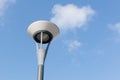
(71, 16)
(115, 27)
(116, 30)
(73, 45)
(4, 4)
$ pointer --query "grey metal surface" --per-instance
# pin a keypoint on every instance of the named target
(40, 72)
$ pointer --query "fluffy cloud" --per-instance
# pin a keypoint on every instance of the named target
(5, 4)
(71, 16)
(73, 45)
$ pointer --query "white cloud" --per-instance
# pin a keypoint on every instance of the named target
(5, 4)
(71, 16)
(115, 27)
(73, 45)
(116, 31)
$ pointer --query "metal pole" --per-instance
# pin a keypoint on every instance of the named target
(41, 54)
(40, 72)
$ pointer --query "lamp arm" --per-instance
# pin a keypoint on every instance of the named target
(46, 51)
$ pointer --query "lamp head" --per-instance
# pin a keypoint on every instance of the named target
(48, 29)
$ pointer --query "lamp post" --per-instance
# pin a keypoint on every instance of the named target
(43, 32)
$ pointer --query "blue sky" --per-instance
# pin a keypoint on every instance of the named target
(86, 49)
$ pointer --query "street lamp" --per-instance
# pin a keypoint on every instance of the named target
(43, 32)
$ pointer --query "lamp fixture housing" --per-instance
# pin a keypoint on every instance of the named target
(49, 30)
